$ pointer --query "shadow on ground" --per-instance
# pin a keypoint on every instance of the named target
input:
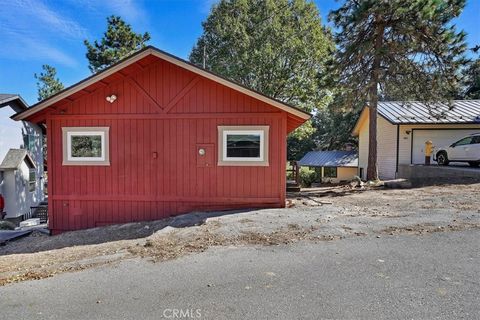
(37, 242)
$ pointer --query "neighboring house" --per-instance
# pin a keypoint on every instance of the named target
(21, 159)
(19, 186)
(154, 136)
(404, 127)
(333, 166)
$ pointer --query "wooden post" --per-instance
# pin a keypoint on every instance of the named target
(297, 172)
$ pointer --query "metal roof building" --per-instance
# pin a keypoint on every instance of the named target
(330, 159)
(403, 128)
(413, 112)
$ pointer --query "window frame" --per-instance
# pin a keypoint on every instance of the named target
(261, 130)
(32, 183)
(69, 132)
(332, 176)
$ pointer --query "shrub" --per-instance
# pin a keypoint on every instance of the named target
(308, 176)
(6, 225)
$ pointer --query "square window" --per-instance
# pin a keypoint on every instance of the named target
(243, 145)
(86, 146)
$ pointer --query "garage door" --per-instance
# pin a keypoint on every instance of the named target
(440, 138)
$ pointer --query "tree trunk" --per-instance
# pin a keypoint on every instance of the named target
(372, 169)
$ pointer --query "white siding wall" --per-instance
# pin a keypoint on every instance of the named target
(13, 136)
(386, 148)
(405, 144)
(10, 132)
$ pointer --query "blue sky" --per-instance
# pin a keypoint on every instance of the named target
(36, 32)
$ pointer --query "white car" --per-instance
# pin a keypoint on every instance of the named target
(464, 150)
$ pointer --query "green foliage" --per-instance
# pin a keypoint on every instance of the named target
(47, 82)
(86, 146)
(301, 141)
(308, 176)
(471, 82)
(397, 49)
(118, 42)
(334, 126)
(417, 50)
(6, 225)
(276, 47)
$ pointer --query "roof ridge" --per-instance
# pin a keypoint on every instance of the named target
(140, 54)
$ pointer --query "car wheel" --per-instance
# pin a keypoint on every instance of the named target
(442, 159)
(474, 164)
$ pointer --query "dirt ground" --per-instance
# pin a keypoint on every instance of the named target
(317, 214)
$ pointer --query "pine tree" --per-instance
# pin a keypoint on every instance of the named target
(400, 49)
(277, 47)
(118, 42)
(47, 82)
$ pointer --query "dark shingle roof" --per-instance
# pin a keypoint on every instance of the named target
(461, 111)
(330, 159)
(14, 159)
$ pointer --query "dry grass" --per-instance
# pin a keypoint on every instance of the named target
(419, 229)
(175, 245)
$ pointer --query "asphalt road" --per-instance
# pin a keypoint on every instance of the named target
(394, 277)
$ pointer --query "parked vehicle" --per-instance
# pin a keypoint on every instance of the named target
(466, 149)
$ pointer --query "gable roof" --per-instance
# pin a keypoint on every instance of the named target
(150, 50)
(330, 159)
(14, 158)
(415, 112)
(12, 99)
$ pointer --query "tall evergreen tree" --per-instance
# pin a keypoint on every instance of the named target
(277, 47)
(403, 49)
(118, 42)
(47, 82)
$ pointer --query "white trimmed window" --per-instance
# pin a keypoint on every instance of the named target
(86, 146)
(243, 145)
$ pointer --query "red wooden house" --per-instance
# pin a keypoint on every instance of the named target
(154, 136)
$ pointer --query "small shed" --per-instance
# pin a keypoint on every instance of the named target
(19, 183)
(334, 166)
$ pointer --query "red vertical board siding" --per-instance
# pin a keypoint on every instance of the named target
(136, 185)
